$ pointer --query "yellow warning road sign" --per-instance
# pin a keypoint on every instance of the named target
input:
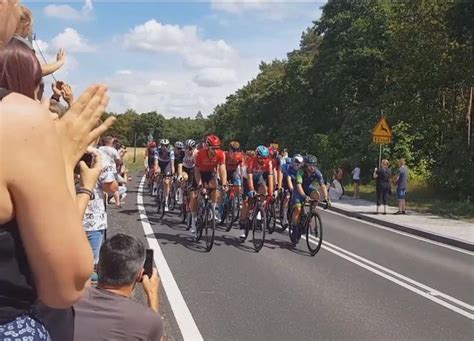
(382, 133)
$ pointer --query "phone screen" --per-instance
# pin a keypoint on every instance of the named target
(148, 266)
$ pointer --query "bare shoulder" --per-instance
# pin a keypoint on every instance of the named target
(24, 120)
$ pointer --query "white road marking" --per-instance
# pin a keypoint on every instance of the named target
(422, 290)
(181, 312)
(362, 221)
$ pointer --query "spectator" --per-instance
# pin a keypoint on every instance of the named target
(402, 182)
(382, 185)
(41, 260)
(24, 34)
(339, 176)
(95, 218)
(60, 90)
(20, 70)
(107, 312)
(109, 149)
(356, 180)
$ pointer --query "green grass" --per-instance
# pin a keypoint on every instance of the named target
(138, 165)
(421, 198)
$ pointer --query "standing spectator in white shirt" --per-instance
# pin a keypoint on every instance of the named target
(356, 180)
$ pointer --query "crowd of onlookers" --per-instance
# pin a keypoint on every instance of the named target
(59, 278)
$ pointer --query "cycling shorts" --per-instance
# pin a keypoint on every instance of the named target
(165, 167)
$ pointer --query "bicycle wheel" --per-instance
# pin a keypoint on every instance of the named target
(271, 218)
(314, 233)
(259, 225)
(237, 207)
(293, 230)
(200, 221)
(229, 211)
(173, 192)
(209, 227)
(159, 199)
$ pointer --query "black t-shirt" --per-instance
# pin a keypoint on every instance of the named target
(383, 177)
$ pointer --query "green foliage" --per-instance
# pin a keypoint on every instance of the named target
(131, 124)
(411, 60)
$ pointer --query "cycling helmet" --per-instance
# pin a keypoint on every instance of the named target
(179, 145)
(262, 151)
(152, 144)
(164, 142)
(213, 141)
(190, 143)
(298, 158)
(234, 145)
(310, 160)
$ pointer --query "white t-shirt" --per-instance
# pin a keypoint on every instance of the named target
(111, 152)
(356, 173)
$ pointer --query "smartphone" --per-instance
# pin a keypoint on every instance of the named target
(59, 85)
(148, 266)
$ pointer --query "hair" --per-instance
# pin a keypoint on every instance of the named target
(108, 140)
(121, 259)
(385, 163)
(25, 19)
(20, 70)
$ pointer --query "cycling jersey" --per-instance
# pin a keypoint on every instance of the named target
(164, 154)
(309, 180)
(189, 159)
(289, 170)
(276, 163)
(151, 156)
(178, 158)
(257, 169)
(233, 160)
(206, 163)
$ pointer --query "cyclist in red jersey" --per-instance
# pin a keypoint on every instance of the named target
(233, 164)
(150, 162)
(258, 174)
(210, 162)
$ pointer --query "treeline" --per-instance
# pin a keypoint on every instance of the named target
(410, 60)
(132, 124)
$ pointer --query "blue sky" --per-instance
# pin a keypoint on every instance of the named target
(173, 57)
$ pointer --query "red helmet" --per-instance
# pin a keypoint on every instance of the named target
(213, 141)
(152, 144)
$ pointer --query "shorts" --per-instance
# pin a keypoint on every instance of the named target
(96, 239)
(401, 193)
(356, 181)
(24, 327)
(191, 177)
(165, 167)
(234, 178)
(298, 199)
(257, 181)
(207, 177)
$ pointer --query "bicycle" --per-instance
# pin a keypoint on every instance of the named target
(205, 221)
(258, 223)
(160, 195)
(310, 224)
(271, 215)
(175, 185)
(284, 195)
(231, 208)
(184, 209)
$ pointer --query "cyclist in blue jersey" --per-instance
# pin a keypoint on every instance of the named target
(309, 184)
(289, 170)
(164, 166)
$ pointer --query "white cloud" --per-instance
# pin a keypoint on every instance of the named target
(123, 72)
(269, 9)
(72, 41)
(214, 77)
(66, 12)
(197, 52)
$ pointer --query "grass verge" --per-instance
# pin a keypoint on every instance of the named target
(424, 200)
(138, 165)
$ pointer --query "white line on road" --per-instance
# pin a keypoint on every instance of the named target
(406, 234)
(391, 275)
(181, 312)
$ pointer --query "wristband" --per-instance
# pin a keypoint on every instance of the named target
(82, 190)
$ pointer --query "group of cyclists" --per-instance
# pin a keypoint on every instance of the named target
(264, 172)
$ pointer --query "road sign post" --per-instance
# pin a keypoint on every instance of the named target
(381, 135)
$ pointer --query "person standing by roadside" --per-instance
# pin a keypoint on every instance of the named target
(402, 182)
(356, 180)
(339, 176)
(382, 185)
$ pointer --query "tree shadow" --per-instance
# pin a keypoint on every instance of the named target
(129, 212)
(286, 245)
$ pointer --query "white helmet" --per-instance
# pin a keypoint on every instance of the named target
(179, 145)
(164, 142)
(298, 158)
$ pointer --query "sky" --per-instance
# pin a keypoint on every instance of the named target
(174, 57)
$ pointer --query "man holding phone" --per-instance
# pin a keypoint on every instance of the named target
(107, 312)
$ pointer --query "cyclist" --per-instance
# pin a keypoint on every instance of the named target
(233, 164)
(309, 184)
(164, 166)
(273, 150)
(258, 174)
(178, 167)
(150, 162)
(289, 170)
(210, 163)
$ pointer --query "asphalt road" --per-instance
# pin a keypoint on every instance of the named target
(365, 283)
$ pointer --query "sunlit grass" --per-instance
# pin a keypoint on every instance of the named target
(139, 163)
